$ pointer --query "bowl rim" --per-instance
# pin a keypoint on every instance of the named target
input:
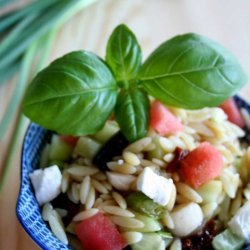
(19, 217)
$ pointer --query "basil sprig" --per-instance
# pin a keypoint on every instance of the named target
(77, 93)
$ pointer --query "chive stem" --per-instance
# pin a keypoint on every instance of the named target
(11, 18)
(30, 35)
(18, 91)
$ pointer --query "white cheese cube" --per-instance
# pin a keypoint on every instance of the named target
(240, 223)
(187, 218)
(47, 183)
(156, 187)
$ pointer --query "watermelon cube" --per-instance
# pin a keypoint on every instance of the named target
(99, 233)
(162, 120)
(201, 165)
(233, 113)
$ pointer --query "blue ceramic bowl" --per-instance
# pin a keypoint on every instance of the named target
(27, 208)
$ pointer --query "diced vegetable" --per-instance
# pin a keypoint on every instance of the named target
(187, 218)
(233, 113)
(239, 224)
(87, 147)
(106, 132)
(59, 163)
(201, 165)
(156, 187)
(113, 147)
(165, 235)
(150, 241)
(150, 224)
(143, 204)
(202, 238)
(59, 149)
(157, 152)
(162, 120)
(99, 233)
(71, 140)
(175, 164)
(227, 241)
(47, 183)
(210, 191)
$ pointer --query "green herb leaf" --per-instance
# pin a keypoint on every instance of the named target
(123, 54)
(132, 113)
(191, 71)
(74, 95)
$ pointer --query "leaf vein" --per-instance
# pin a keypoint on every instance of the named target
(225, 78)
(178, 57)
(198, 87)
(182, 72)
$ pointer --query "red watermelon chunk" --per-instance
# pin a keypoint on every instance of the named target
(233, 113)
(201, 165)
(162, 120)
(99, 233)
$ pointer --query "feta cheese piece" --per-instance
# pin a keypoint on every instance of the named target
(239, 224)
(156, 187)
(47, 183)
(187, 218)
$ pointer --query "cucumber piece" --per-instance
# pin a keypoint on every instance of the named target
(150, 241)
(87, 147)
(106, 132)
(210, 191)
(227, 241)
(157, 152)
(59, 163)
(143, 204)
(150, 224)
(59, 150)
(167, 237)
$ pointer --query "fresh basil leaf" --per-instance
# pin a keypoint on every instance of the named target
(74, 95)
(191, 71)
(123, 54)
(132, 113)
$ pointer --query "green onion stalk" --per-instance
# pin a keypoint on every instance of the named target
(21, 34)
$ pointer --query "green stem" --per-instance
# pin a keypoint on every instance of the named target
(20, 126)
(47, 42)
(18, 91)
(56, 15)
(17, 31)
(7, 74)
(26, 65)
